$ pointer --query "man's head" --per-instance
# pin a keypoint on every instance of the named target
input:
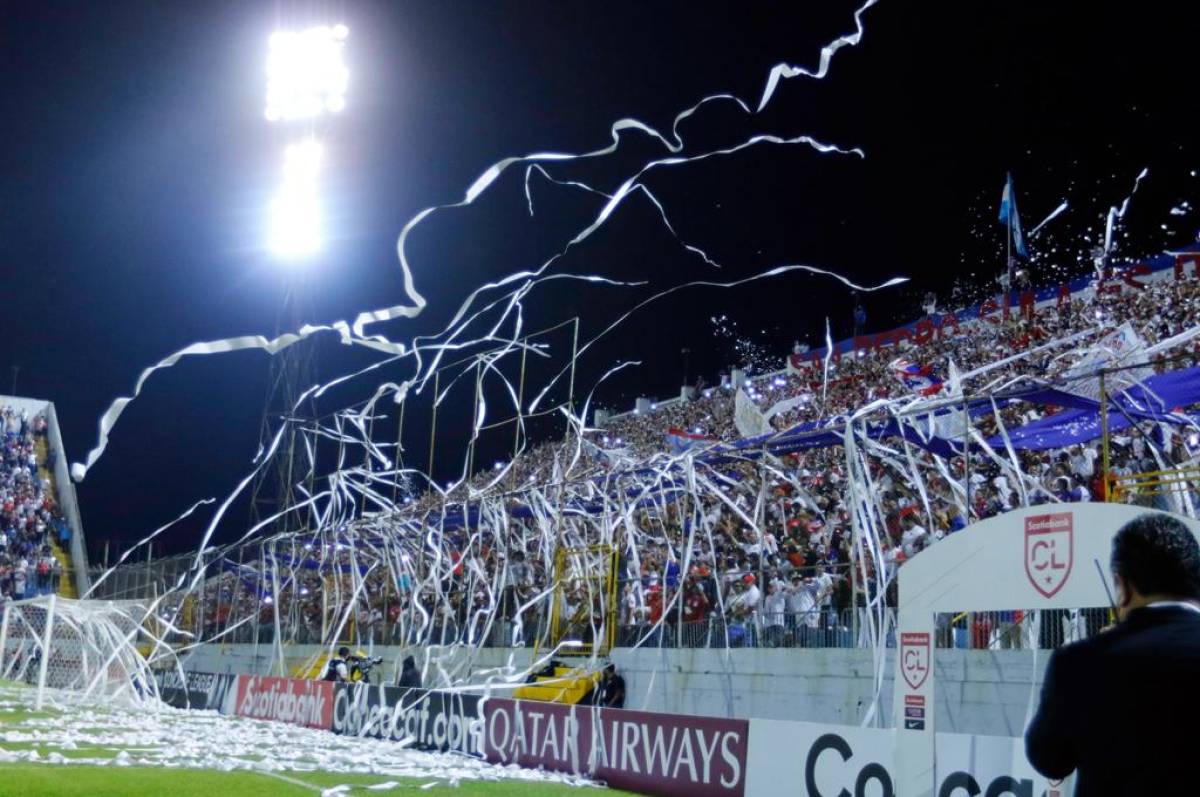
(343, 652)
(1155, 557)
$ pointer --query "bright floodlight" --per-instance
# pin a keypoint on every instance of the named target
(306, 75)
(296, 210)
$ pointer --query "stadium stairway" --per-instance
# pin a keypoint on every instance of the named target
(569, 685)
(313, 669)
(66, 585)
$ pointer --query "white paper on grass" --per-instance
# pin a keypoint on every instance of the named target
(178, 738)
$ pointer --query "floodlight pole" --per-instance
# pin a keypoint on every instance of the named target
(291, 373)
(399, 460)
(433, 424)
(367, 482)
(520, 405)
(475, 419)
(574, 357)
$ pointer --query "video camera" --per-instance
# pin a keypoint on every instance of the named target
(360, 667)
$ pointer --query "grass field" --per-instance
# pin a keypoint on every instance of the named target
(44, 780)
(91, 749)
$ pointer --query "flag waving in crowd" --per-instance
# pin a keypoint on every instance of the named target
(1008, 215)
(679, 440)
(919, 379)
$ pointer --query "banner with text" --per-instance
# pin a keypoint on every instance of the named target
(427, 720)
(806, 759)
(200, 690)
(292, 700)
(649, 753)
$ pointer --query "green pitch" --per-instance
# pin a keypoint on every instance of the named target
(35, 761)
(46, 780)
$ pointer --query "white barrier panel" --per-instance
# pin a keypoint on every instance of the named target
(1040, 557)
(807, 759)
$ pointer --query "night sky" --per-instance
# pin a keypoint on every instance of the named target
(136, 167)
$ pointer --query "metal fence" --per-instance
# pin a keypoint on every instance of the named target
(854, 628)
(238, 620)
(1020, 630)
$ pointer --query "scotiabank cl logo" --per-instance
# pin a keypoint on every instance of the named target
(914, 658)
(1049, 551)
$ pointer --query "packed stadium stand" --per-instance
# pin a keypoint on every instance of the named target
(794, 578)
(40, 543)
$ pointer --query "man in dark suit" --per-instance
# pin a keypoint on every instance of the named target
(1121, 708)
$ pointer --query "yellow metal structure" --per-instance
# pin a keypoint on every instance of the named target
(592, 572)
(313, 669)
(567, 685)
(583, 623)
(1155, 482)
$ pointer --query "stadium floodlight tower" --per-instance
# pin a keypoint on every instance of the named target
(306, 73)
(296, 209)
(307, 80)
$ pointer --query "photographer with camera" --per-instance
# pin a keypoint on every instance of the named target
(338, 669)
(347, 667)
(361, 666)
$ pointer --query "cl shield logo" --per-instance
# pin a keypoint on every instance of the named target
(914, 658)
(1049, 551)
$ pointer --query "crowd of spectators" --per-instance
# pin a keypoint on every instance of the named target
(28, 514)
(755, 551)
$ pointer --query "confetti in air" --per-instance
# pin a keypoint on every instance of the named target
(475, 561)
(358, 520)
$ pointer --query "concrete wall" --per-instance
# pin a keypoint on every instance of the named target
(980, 692)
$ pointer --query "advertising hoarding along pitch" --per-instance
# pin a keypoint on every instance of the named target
(644, 752)
(291, 700)
(427, 720)
(199, 690)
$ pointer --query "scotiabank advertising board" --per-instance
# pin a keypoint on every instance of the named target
(427, 720)
(292, 700)
(650, 753)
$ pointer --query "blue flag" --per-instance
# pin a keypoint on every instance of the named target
(1008, 214)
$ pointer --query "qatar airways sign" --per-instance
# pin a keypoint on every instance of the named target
(649, 753)
(291, 700)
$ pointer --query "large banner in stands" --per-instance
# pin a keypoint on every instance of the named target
(648, 753)
(428, 720)
(199, 690)
(292, 700)
(805, 759)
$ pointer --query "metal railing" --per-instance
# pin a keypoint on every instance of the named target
(821, 628)
(1045, 629)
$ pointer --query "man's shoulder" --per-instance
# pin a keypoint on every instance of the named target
(1174, 631)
